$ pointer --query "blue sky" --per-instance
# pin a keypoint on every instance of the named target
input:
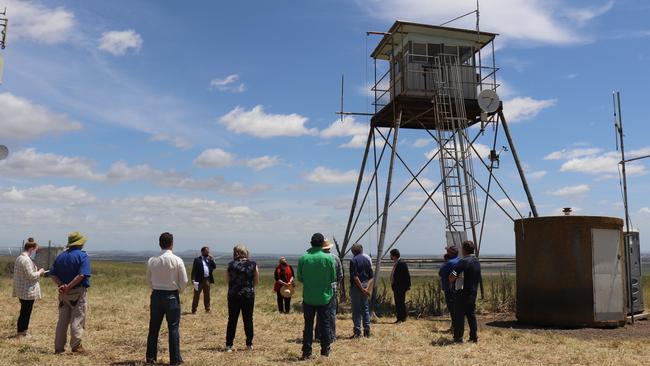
(215, 120)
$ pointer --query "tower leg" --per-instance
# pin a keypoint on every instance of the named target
(346, 238)
(384, 219)
(506, 130)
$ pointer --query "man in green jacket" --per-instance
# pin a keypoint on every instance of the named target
(317, 272)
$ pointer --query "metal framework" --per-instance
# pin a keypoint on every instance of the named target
(431, 93)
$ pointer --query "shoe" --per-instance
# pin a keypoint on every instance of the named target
(398, 321)
(59, 351)
(473, 340)
(366, 333)
(79, 349)
(149, 361)
(306, 356)
(193, 312)
(325, 353)
(229, 349)
(458, 340)
(249, 347)
(355, 336)
(207, 310)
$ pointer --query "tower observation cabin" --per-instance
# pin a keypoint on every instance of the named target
(427, 65)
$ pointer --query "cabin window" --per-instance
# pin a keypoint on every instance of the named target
(419, 52)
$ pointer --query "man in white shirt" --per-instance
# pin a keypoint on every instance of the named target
(167, 277)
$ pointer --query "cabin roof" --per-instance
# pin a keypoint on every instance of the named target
(400, 29)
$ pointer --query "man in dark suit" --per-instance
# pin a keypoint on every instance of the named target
(400, 280)
(202, 278)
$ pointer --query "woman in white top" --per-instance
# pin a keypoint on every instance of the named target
(26, 287)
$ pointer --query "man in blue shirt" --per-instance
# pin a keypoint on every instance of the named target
(361, 278)
(445, 270)
(71, 273)
(470, 268)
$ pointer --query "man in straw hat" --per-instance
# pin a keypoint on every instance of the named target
(334, 304)
(317, 272)
(71, 273)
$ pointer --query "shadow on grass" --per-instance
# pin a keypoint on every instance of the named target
(294, 340)
(513, 324)
(442, 342)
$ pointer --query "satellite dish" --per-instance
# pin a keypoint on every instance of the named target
(489, 101)
(4, 152)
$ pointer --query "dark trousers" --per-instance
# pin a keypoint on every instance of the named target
(164, 304)
(26, 307)
(204, 286)
(323, 319)
(333, 307)
(284, 303)
(238, 304)
(465, 308)
(450, 300)
(400, 304)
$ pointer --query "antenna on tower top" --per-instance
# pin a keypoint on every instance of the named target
(4, 21)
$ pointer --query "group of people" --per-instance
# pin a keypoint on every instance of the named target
(319, 271)
(71, 274)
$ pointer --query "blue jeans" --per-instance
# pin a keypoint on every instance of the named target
(323, 319)
(333, 307)
(360, 309)
(164, 304)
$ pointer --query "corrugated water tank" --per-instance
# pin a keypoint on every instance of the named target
(570, 271)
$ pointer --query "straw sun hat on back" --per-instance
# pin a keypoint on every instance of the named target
(76, 239)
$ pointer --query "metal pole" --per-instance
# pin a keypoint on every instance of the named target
(384, 219)
(346, 238)
(506, 130)
(628, 259)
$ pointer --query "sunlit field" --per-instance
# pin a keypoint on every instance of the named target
(116, 331)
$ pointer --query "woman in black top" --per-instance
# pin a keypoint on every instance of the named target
(242, 277)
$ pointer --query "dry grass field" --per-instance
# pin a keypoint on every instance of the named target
(116, 333)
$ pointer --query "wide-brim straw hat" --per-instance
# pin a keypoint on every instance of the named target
(286, 291)
(76, 239)
(327, 245)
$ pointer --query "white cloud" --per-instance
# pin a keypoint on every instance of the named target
(350, 127)
(530, 21)
(606, 163)
(422, 142)
(505, 203)
(67, 195)
(263, 162)
(121, 172)
(322, 174)
(538, 174)
(571, 191)
(178, 142)
(592, 160)
(29, 163)
(523, 108)
(20, 119)
(229, 83)
(36, 22)
(258, 123)
(644, 210)
(584, 15)
(214, 158)
(572, 153)
(118, 43)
